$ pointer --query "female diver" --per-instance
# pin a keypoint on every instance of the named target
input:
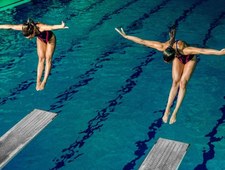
(183, 58)
(46, 42)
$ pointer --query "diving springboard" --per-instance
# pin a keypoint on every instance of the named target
(22, 133)
(6, 4)
(165, 155)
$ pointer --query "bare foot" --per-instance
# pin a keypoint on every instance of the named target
(172, 119)
(165, 117)
(42, 86)
(38, 86)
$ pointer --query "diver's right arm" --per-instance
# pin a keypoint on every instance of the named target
(13, 27)
(152, 44)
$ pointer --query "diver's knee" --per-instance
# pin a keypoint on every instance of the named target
(41, 59)
(175, 83)
(183, 84)
(48, 59)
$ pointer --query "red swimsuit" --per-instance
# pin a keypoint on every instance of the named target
(44, 36)
(183, 58)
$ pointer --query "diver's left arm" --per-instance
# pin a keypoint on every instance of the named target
(205, 51)
(44, 27)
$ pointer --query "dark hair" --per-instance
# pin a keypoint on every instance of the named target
(169, 54)
(28, 28)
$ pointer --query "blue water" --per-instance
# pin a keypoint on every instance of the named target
(110, 93)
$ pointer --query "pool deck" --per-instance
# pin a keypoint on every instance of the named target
(22, 133)
(165, 155)
(6, 4)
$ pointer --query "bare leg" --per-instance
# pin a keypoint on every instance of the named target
(177, 70)
(48, 61)
(188, 70)
(45, 52)
(41, 49)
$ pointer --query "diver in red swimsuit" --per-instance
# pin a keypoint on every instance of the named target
(46, 42)
(183, 58)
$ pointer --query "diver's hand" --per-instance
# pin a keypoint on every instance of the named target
(64, 25)
(222, 51)
(121, 32)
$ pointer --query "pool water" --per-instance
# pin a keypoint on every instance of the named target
(110, 93)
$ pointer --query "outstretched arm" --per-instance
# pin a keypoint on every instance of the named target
(206, 51)
(44, 27)
(14, 27)
(152, 44)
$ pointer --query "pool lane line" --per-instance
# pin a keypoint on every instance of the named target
(142, 146)
(212, 26)
(107, 16)
(208, 155)
(24, 85)
(6, 66)
(85, 10)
